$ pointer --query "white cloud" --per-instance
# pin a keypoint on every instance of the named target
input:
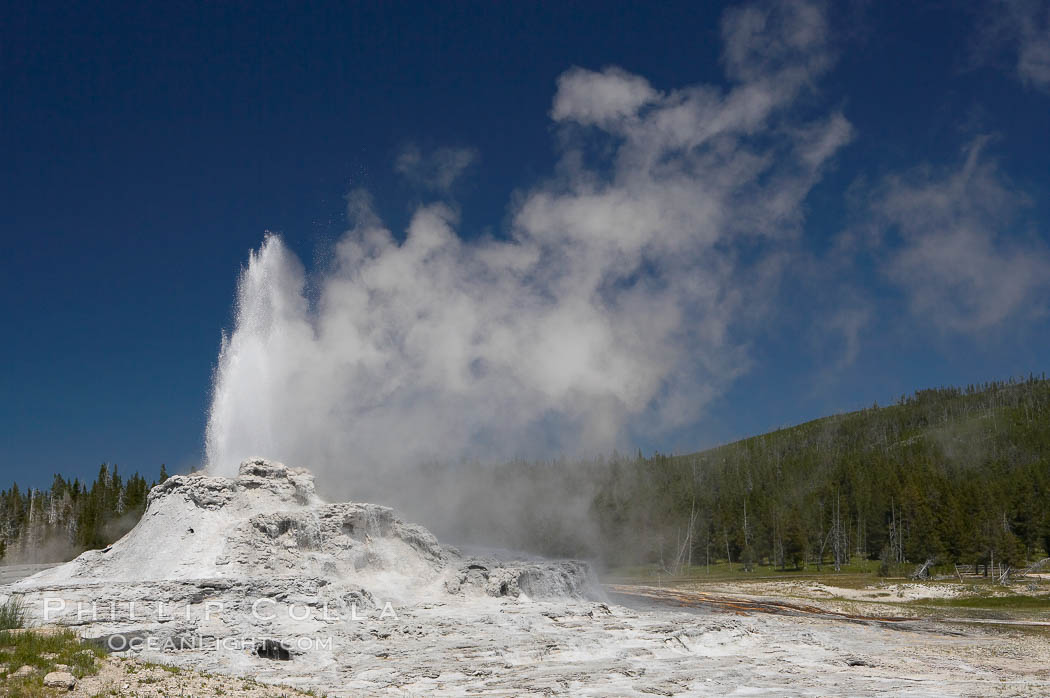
(614, 302)
(1022, 29)
(782, 41)
(958, 261)
(849, 322)
(1033, 59)
(600, 99)
(436, 170)
(819, 141)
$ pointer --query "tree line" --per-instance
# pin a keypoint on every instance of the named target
(47, 525)
(957, 475)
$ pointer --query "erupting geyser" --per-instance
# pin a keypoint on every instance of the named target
(603, 314)
(432, 349)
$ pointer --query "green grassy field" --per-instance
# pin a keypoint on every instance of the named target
(858, 570)
(44, 651)
(1019, 602)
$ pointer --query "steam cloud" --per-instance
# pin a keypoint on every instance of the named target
(609, 308)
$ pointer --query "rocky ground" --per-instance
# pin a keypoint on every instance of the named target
(631, 648)
(132, 678)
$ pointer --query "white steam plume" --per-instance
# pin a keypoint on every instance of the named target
(611, 305)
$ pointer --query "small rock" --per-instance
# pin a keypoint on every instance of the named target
(22, 671)
(60, 679)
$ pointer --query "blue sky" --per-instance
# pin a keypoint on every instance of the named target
(147, 147)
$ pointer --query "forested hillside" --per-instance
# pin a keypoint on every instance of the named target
(957, 474)
(961, 475)
(57, 523)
